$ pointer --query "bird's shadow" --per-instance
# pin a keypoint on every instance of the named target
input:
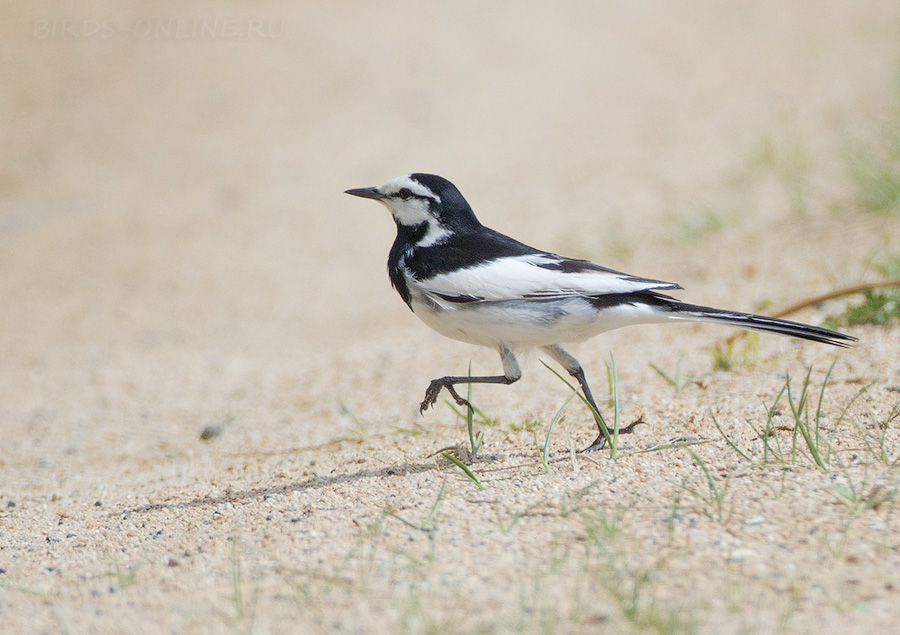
(314, 482)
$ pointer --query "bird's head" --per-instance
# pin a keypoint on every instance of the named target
(423, 200)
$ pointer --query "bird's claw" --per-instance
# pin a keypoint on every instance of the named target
(431, 395)
(434, 389)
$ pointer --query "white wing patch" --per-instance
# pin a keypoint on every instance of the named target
(526, 277)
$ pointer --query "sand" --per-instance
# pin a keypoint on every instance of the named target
(176, 254)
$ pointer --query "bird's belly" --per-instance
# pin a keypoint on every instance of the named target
(523, 323)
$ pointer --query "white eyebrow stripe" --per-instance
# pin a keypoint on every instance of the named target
(398, 183)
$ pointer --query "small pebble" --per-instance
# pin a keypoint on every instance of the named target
(211, 431)
(755, 520)
(741, 553)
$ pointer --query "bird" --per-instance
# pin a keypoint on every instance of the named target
(476, 285)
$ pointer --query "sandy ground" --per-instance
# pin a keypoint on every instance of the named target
(176, 252)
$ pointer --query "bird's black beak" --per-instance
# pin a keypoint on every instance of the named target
(367, 192)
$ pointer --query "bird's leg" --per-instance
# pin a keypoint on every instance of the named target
(565, 359)
(600, 442)
(511, 373)
(436, 385)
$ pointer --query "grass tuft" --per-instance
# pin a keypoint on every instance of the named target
(736, 352)
(675, 380)
(359, 429)
(713, 498)
(879, 306)
(876, 443)
(874, 167)
(808, 436)
(415, 430)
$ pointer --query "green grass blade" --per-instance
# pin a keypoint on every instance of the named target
(616, 412)
(819, 411)
(802, 425)
(464, 468)
(545, 452)
(730, 443)
(470, 416)
(662, 373)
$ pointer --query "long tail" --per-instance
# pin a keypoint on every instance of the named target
(695, 313)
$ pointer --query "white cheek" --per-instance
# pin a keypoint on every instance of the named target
(412, 212)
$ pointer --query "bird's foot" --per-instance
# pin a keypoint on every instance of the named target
(434, 389)
(600, 442)
(629, 429)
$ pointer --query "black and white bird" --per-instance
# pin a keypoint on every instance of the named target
(476, 285)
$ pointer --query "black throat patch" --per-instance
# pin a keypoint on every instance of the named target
(404, 248)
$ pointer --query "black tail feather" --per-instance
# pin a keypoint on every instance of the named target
(761, 323)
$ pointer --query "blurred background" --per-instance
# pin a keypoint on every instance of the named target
(175, 246)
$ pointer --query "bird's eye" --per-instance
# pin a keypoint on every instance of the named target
(405, 193)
